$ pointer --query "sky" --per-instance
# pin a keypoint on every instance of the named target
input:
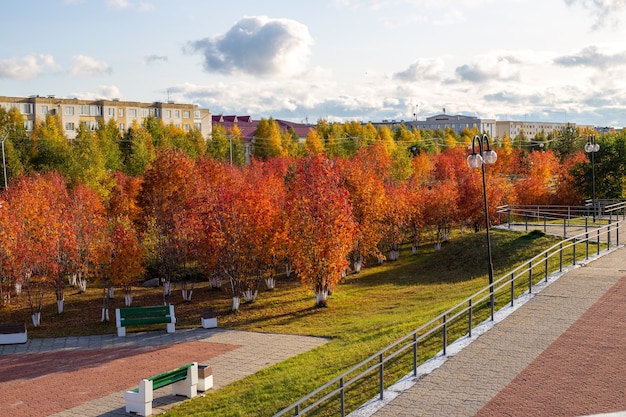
(337, 60)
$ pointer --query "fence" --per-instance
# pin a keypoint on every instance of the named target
(369, 378)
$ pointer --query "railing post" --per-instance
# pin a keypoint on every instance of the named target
(512, 289)
(445, 335)
(530, 277)
(545, 224)
(598, 240)
(587, 245)
(342, 396)
(546, 267)
(574, 261)
(565, 228)
(526, 221)
(561, 257)
(414, 354)
(381, 374)
(469, 318)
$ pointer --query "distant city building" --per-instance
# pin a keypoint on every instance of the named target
(94, 113)
(528, 129)
(458, 123)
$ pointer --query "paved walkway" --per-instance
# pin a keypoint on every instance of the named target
(563, 353)
(87, 376)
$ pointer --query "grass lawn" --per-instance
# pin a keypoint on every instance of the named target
(366, 312)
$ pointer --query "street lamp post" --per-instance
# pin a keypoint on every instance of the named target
(592, 147)
(478, 160)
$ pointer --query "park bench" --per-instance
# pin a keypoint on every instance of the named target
(141, 316)
(184, 381)
(13, 333)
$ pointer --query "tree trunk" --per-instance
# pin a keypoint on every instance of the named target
(71, 280)
(105, 314)
(236, 302)
(36, 319)
(60, 305)
(18, 287)
(250, 296)
(270, 283)
(415, 249)
(287, 269)
(111, 291)
(215, 282)
(128, 299)
(82, 284)
(321, 298)
(357, 265)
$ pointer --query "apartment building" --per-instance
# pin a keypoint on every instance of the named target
(513, 129)
(93, 113)
(457, 122)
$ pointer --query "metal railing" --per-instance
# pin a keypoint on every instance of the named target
(369, 378)
(533, 216)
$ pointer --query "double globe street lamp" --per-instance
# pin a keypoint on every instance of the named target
(478, 160)
(592, 147)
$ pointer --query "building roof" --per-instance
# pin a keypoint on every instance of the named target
(247, 126)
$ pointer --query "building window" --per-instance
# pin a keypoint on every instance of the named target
(186, 114)
(111, 111)
(187, 127)
(168, 114)
(145, 112)
(197, 126)
(196, 114)
(121, 113)
(122, 127)
(26, 108)
(69, 110)
(132, 112)
(28, 125)
(86, 110)
(177, 114)
(44, 109)
(69, 126)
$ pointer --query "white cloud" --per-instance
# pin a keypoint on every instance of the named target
(88, 66)
(151, 59)
(258, 46)
(423, 69)
(27, 67)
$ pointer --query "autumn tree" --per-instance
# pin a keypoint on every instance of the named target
(167, 186)
(268, 140)
(320, 224)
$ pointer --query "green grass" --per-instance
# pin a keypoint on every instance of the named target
(367, 312)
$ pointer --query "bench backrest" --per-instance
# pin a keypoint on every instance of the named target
(145, 315)
(168, 377)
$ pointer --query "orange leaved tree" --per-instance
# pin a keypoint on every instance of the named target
(320, 224)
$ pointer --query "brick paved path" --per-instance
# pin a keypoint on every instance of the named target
(560, 354)
(87, 376)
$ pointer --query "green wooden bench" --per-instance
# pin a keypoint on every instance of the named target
(141, 316)
(184, 381)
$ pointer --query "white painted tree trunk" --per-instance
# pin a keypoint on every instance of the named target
(18, 287)
(36, 319)
(167, 288)
(128, 299)
(250, 296)
(321, 298)
(381, 260)
(111, 292)
(270, 283)
(357, 265)
(394, 255)
(82, 284)
(105, 314)
(72, 280)
(60, 305)
(216, 282)
(287, 269)
(437, 246)
(415, 249)
(236, 302)
(187, 294)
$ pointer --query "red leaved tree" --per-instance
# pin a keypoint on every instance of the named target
(321, 225)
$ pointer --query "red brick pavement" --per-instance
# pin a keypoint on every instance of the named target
(40, 384)
(583, 372)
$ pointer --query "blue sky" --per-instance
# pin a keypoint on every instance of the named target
(340, 60)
